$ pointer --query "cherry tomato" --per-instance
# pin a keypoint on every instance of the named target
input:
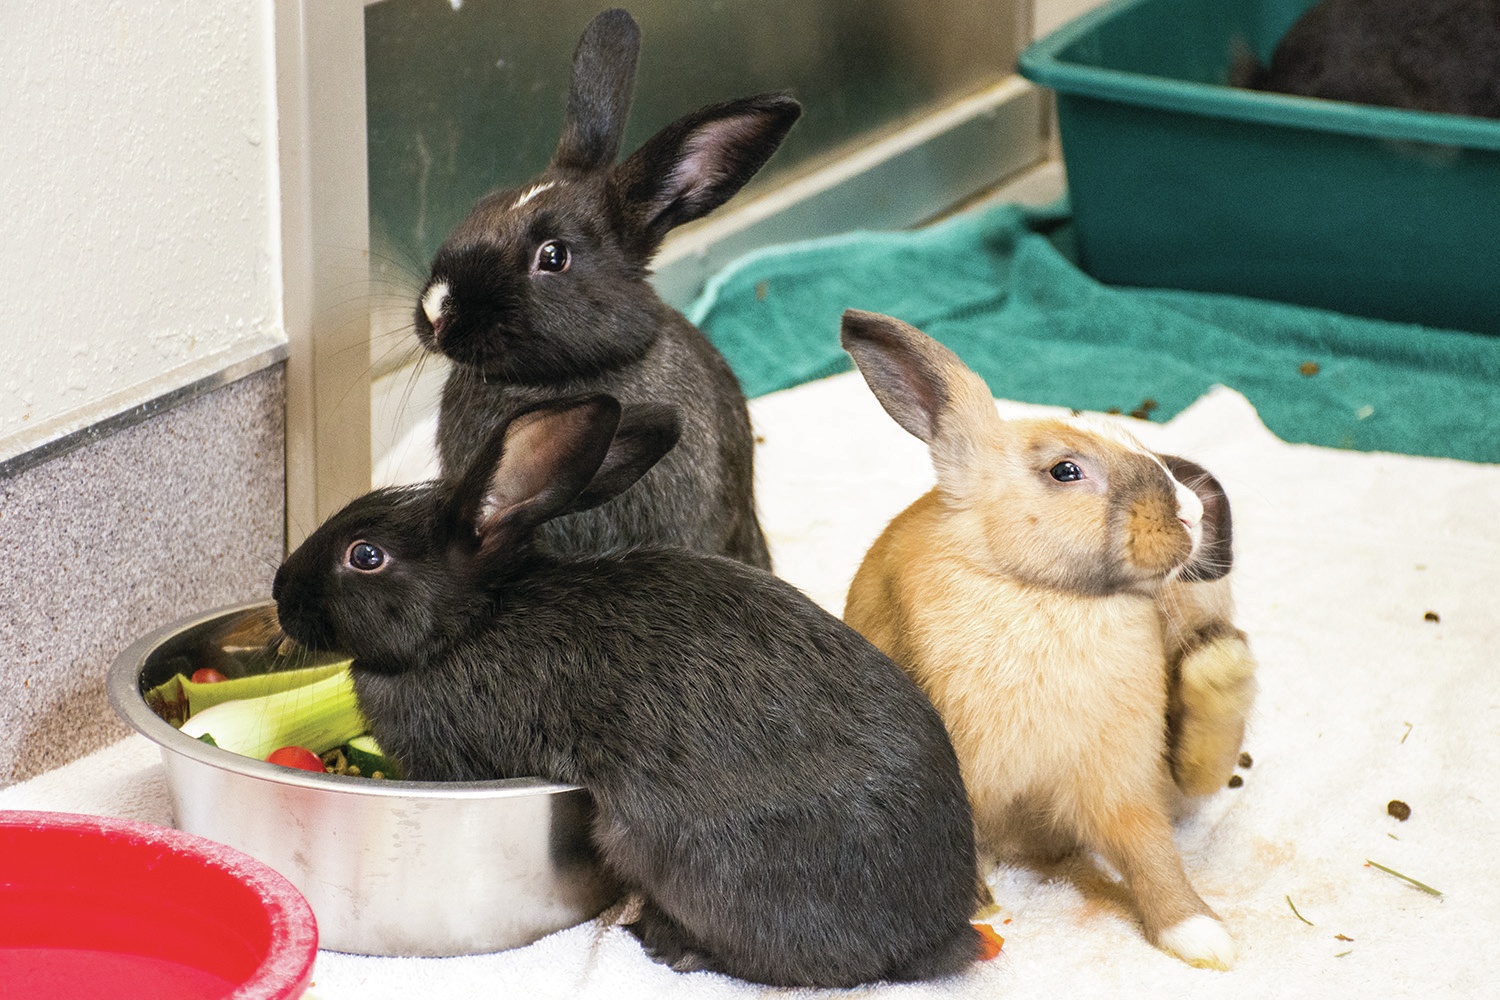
(207, 675)
(298, 757)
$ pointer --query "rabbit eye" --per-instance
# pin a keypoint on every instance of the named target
(1066, 472)
(552, 256)
(365, 557)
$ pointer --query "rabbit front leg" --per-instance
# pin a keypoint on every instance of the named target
(1136, 837)
(1210, 682)
(665, 940)
(1212, 689)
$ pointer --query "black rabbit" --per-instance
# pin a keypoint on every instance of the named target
(1423, 55)
(541, 293)
(783, 799)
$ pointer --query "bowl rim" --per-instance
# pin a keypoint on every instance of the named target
(286, 971)
(122, 687)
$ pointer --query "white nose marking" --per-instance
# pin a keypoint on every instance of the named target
(1189, 507)
(432, 301)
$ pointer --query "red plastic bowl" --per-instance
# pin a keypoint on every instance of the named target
(92, 906)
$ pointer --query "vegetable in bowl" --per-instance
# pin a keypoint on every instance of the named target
(306, 715)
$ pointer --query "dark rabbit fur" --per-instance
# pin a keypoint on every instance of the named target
(783, 799)
(541, 293)
(1423, 55)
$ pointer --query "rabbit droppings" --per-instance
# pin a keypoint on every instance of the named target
(783, 799)
(1028, 594)
(542, 293)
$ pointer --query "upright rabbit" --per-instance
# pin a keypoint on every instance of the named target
(541, 293)
(1424, 55)
(1025, 595)
(782, 797)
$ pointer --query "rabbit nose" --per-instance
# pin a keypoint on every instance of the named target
(438, 325)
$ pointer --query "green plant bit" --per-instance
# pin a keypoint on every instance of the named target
(1298, 915)
(317, 717)
(1406, 878)
(179, 698)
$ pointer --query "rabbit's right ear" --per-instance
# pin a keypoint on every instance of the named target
(646, 432)
(534, 468)
(600, 93)
(923, 386)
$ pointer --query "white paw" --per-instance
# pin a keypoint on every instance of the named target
(1200, 941)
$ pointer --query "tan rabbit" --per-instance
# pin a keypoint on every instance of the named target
(1028, 594)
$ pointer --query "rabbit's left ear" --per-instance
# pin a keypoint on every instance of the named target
(924, 387)
(1215, 555)
(698, 162)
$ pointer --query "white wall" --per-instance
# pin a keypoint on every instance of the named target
(1050, 14)
(140, 245)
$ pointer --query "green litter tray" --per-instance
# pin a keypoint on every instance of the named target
(1178, 180)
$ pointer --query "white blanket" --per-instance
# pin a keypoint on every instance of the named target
(1340, 557)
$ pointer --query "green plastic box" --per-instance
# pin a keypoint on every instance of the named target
(1178, 180)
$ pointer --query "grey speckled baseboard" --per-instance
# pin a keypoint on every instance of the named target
(179, 514)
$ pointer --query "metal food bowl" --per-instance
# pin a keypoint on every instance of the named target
(389, 867)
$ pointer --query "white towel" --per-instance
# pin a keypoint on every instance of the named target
(1339, 557)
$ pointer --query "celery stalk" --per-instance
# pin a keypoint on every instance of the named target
(179, 698)
(318, 716)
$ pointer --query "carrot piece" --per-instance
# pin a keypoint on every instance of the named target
(990, 944)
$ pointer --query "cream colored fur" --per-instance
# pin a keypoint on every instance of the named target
(1211, 683)
(1056, 700)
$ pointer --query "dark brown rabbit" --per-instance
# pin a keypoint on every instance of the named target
(1423, 55)
(542, 293)
(783, 799)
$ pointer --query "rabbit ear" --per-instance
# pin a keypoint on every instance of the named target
(646, 432)
(600, 93)
(534, 468)
(922, 385)
(698, 162)
(1215, 555)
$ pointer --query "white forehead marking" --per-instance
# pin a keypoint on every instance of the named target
(532, 193)
(433, 299)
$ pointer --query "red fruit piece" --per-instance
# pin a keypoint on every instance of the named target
(298, 757)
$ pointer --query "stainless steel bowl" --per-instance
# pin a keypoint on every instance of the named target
(389, 867)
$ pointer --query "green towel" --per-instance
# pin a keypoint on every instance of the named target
(999, 287)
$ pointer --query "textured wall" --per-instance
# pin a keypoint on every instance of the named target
(141, 206)
(173, 516)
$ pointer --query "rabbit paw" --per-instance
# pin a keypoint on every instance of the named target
(1200, 941)
(665, 940)
(1219, 672)
(1212, 702)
